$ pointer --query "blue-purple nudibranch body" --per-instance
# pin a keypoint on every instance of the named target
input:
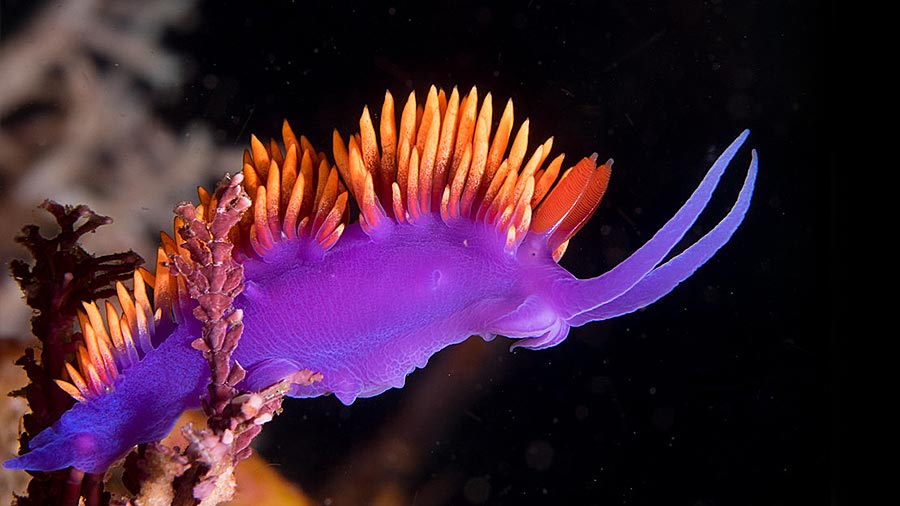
(430, 263)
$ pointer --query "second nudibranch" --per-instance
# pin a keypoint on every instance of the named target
(459, 234)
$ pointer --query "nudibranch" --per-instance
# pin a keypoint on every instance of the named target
(459, 234)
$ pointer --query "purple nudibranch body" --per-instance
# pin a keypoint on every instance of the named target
(456, 237)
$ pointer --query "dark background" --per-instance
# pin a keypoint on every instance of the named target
(718, 394)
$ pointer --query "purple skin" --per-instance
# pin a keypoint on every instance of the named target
(370, 311)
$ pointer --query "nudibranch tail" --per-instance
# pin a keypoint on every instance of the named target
(133, 374)
(443, 162)
(640, 280)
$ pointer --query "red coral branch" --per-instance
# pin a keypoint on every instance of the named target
(61, 276)
(214, 279)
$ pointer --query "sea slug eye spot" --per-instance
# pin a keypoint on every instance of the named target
(534, 249)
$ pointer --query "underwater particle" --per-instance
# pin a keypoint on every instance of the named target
(582, 412)
(477, 490)
(539, 455)
(663, 418)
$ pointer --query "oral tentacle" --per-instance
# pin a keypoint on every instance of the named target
(666, 277)
(578, 296)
